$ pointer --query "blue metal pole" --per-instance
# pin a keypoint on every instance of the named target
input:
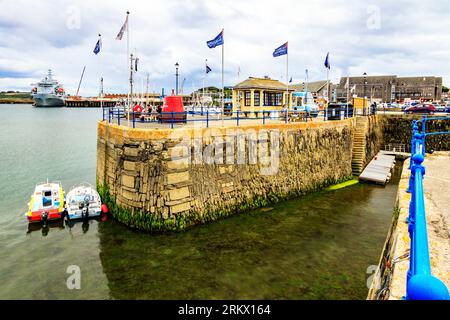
(424, 131)
(118, 117)
(207, 118)
(109, 115)
(415, 128)
(237, 118)
(264, 117)
(421, 284)
(171, 122)
(134, 124)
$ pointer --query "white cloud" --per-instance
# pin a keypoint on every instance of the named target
(412, 39)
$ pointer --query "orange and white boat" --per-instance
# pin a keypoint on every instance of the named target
(47, 203)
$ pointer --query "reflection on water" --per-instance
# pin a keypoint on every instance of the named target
(316, 247)
(65, 223)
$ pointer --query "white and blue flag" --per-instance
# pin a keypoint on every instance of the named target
(327, 61)
(217, 41)
(208, 69)
(98, 46)
(281, 50)
(123, 29)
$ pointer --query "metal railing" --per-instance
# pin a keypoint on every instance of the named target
(122, 117)
(420, 283)
(395, 147)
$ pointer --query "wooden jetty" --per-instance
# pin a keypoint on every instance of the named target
(379, 169)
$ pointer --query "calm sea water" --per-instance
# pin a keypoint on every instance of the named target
(316, 247)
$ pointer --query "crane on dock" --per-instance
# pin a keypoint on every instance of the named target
(77, 97)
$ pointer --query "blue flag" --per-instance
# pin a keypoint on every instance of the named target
(217, 41)
(208, 69)
(327, 62)
(281, 50)
(98, 46)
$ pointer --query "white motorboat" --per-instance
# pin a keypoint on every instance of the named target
(83, 202)
(47, 203)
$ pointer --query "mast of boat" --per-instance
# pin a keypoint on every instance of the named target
(146, 90)
(81, 79)
(306, 86)
(130, 100)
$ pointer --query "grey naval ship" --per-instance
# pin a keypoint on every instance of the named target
(48, 93)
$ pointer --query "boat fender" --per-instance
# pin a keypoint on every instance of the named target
(105, 208)
(44, 217)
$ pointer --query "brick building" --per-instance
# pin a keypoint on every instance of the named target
(391, 88)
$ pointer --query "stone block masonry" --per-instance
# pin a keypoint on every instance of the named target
(160, 179)
(398, 129)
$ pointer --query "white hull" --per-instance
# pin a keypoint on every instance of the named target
(83, 202)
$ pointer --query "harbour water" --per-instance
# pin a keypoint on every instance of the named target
(316, 247)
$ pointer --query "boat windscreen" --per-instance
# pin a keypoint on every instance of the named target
(47, 199)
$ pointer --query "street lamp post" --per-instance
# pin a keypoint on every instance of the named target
(365, 84)
(176, 76)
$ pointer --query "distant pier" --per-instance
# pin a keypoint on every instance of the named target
(85, 103)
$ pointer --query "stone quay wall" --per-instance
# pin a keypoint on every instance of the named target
(398, 129)
(167, 180)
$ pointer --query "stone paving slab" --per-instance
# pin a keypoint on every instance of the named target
(437, 203)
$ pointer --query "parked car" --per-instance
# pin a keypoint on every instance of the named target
(421, 108)
(441, 108)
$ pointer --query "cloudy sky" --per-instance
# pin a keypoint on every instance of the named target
(406, 38)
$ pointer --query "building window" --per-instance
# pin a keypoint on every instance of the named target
(247, 98)
(279, 99)
(256, 98)
(273, 99)
(267, 99)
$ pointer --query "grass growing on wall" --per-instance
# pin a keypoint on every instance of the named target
(154, 222)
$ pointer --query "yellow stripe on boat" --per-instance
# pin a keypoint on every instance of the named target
(61, 200)
(31, 206)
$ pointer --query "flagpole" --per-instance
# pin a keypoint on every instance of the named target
(128, 55)
(239, 73)
(223, 86)
(202, 101)
(287, 81)
(328, 87)
(101, 84)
